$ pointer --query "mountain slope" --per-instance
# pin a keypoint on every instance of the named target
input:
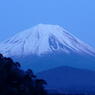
(43, 39)
(70, 80)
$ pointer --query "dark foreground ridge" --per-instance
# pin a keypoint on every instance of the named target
(14, 81)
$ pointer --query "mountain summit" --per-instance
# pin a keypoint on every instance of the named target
(43, 39)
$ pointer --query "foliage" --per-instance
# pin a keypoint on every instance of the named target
(14, 81)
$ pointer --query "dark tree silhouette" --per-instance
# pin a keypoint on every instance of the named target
(14, 81)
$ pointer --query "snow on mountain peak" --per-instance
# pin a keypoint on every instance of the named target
(42, 39)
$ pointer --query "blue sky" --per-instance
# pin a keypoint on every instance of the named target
(77, 16)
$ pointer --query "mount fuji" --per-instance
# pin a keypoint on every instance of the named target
(45, 44)
(44, 39)
(63, 60)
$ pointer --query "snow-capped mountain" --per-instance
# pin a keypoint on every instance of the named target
(43, 39)
(65, 62)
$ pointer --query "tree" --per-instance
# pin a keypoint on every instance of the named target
(14, 81)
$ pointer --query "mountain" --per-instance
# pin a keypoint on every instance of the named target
(55, 55)
(70, 81)
(46, 46)
(43, 39)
